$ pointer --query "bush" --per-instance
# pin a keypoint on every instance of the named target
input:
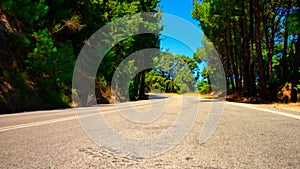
(203, 87)
(51, 69)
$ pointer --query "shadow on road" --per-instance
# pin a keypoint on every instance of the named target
(155, 96)
(209, 100)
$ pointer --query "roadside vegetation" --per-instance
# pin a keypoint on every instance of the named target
(258, 42)
(41, 39)
(259, 45)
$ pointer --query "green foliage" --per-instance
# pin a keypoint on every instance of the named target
(102, 81)
(293, 21)
(18, 96)
(47, 65)
(122, 83)
(298, 85)
(132, 91)
(155, 80)
(30, 11)
(185, 80)
(257, 42)
(203, 87)
(173, 73)
(50, 34)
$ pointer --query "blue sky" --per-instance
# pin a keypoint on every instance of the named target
(182, 9)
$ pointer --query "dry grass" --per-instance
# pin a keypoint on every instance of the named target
(288, 106)
(208, 96)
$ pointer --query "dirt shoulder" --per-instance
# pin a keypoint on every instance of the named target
(264, 103)
(288, 106)
(256, 101)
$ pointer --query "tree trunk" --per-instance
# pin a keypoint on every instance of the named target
(244, 51)
(142, 86)
(269, 41)
(284, 57)
(252, 85)
(296, 74)
(284, 53)
(262, 78)
(229, 57)
(237, 62)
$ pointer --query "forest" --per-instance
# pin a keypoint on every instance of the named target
(258, 42)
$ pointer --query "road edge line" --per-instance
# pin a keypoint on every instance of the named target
(265, 110)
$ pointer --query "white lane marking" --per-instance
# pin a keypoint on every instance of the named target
(13, 127)
(40, 112)
(67, 110)
(265, 110)
(25, 125)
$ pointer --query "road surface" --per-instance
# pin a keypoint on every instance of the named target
(247, 136)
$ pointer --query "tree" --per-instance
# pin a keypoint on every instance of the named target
(48, 38)
(293, 24)
(173, 73)
(255, 42)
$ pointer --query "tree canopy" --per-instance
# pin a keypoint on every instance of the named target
(258, 42)
(42, 39)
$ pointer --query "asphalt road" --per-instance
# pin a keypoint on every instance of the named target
(247, 136)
